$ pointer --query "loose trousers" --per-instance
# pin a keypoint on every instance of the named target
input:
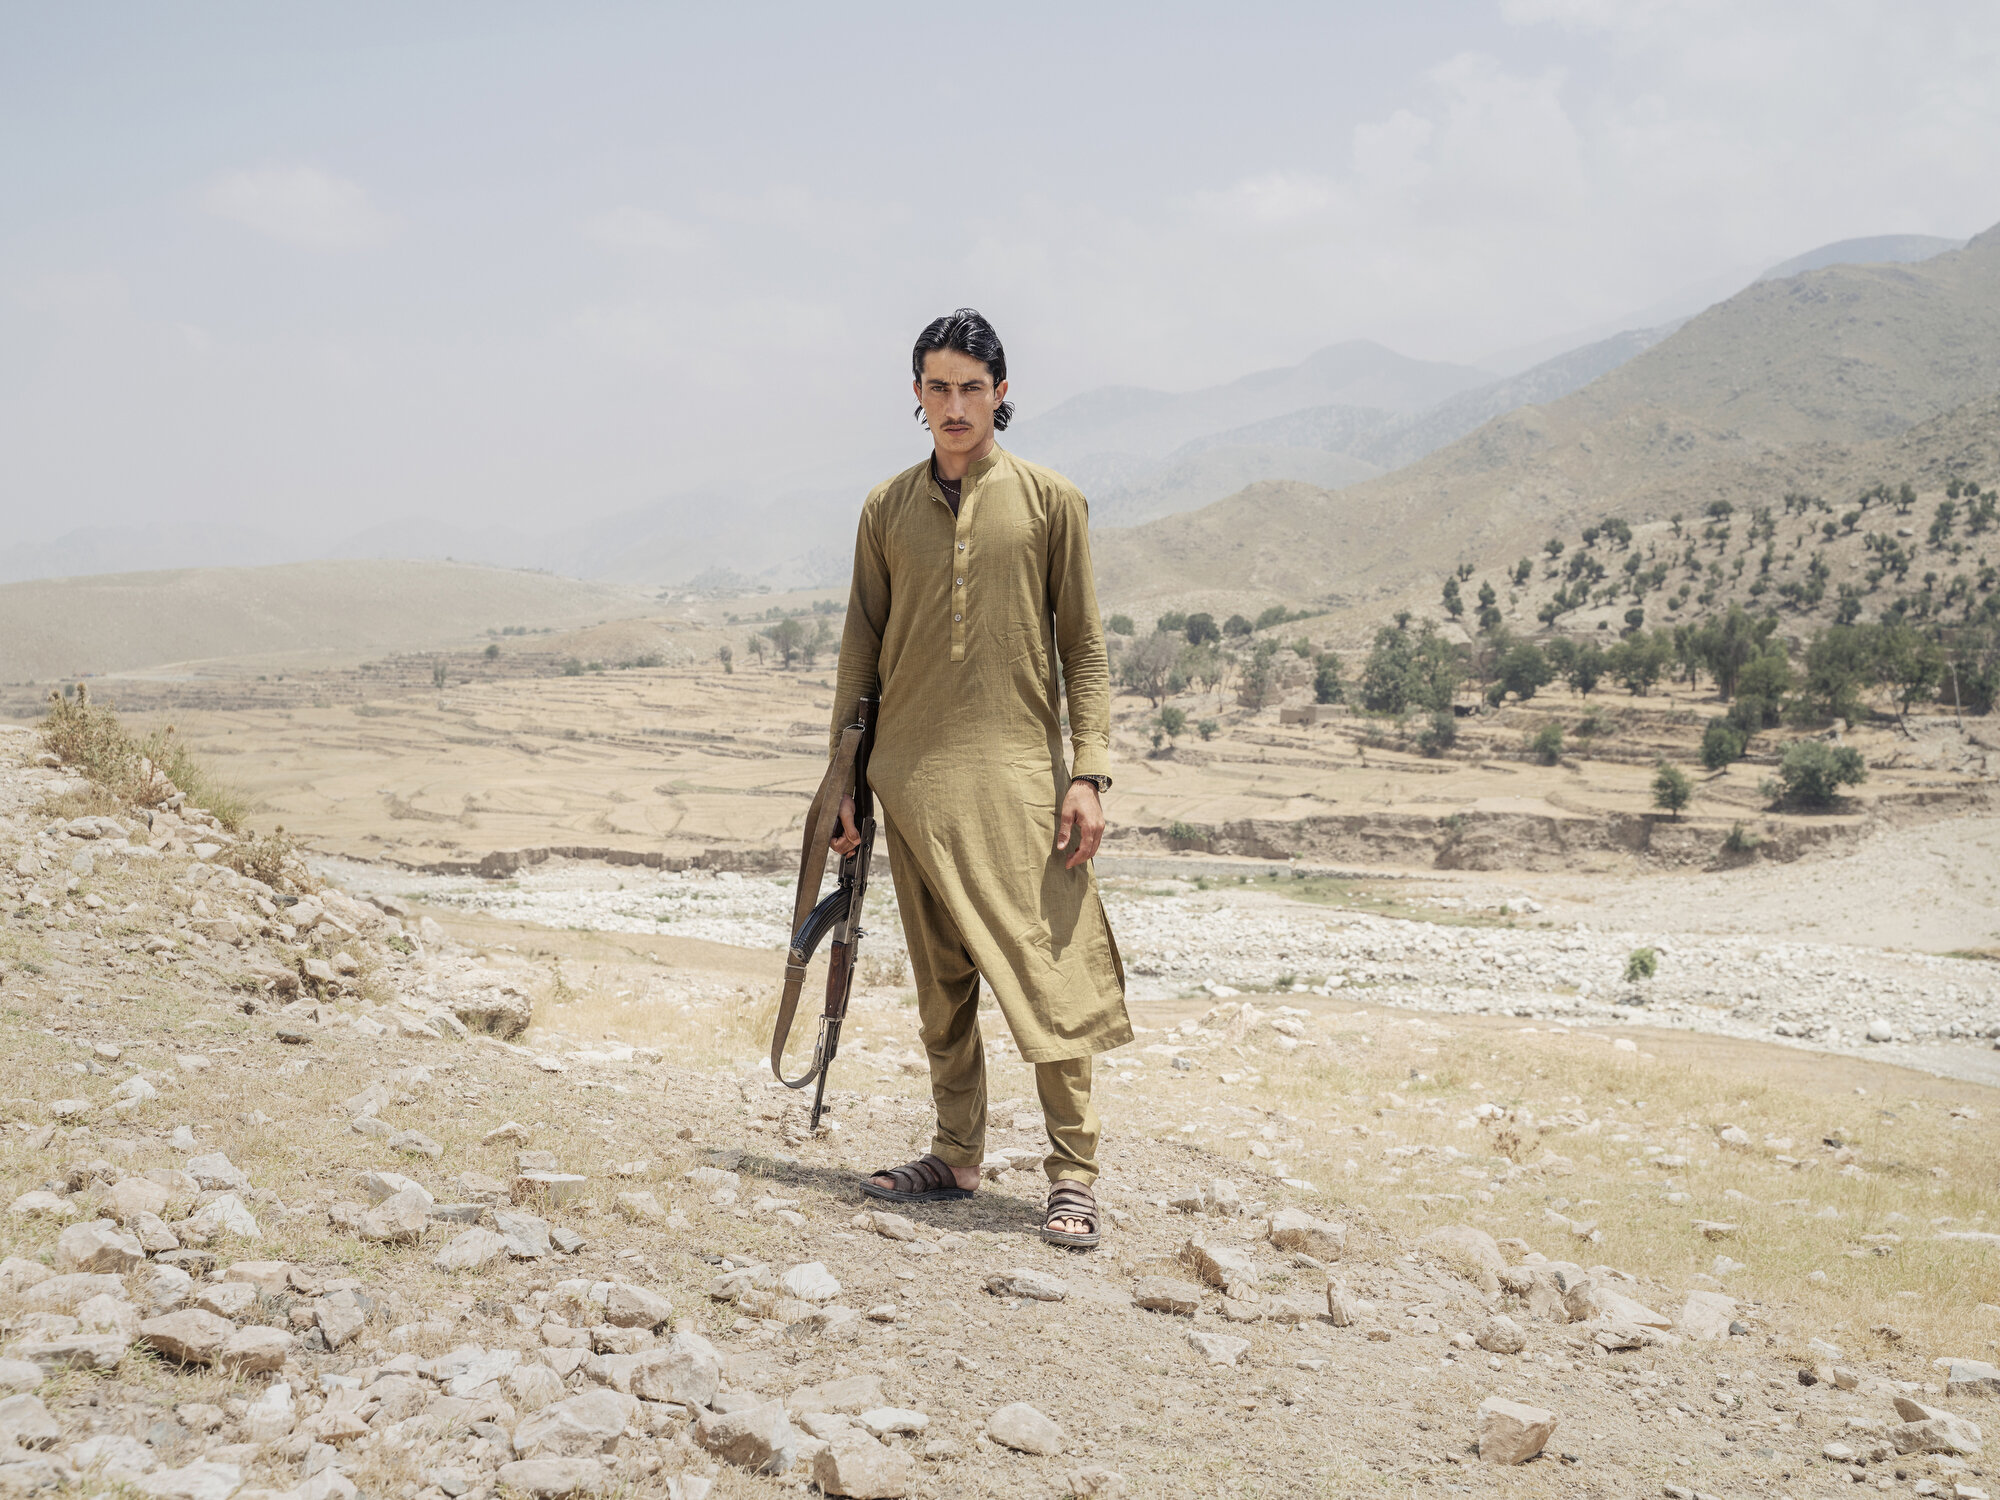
(948, 1019)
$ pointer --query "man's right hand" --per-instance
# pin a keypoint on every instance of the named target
(848, 839)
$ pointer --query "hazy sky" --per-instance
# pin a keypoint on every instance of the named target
(320, 266)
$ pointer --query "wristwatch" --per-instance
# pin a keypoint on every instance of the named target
(1102, 783)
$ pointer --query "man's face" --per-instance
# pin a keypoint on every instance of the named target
(959, 399)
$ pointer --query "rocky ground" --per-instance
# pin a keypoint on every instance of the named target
(306, 1198)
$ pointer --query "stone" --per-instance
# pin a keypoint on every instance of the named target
(25, 1423)
(1706, 1315)
(533, 1387)
(759, 1438)
(381, 1185)
(887, 1421)
(687, 1370)
(134, 1196)
(513, 1132)
(189, 1337)
(548, 1478)
(111, 1459)
(641, 1208)
(1715, 1229)
(1343, 1309)
(67, 1293)
(1589, 1300)
(858, 1466)
(585, 1424)
(503, 1012)
(1217, 1348)
(18, 1375)
(1290, 1229)
(255, 1350)
(811, 1282)
(852, 1395)
(1971, 1377)
(415, 1143)
(133, 1092)
(201, 1480)
(1024, 1429)
(1470, 1252)
(892, 1226)
(223, 1215)
(1035, 1286)
(215, 1172)
(272, 1415)
(269, 1277)
(340, 1318)
(527, 1236)
(1501, 1335)
(227, 1299)
(551, 1188)
(75, 1351)
(1512, 1433)
(154, 1235)
(1880, 1030)
(97, 1247)
(468, 1367)
(1220, 1265)
(399, 1219)
(162, 1288)
(40, 1203)
(1166, 1294)
(17, 1274)
(473, 1250)
(1096, 1483)
(628, 1306)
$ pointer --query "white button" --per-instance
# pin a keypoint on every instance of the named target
(958, 617)
(958, 580)
(961, 546)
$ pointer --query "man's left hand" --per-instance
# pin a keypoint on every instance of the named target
(1083, 811)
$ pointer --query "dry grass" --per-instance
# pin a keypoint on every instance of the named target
(88, 738)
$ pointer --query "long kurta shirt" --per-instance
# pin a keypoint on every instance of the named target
(961, 622)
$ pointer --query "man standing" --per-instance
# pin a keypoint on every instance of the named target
(972, 584)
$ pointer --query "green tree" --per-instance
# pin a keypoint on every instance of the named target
(1638, 660)
(789, 637)
(1546, 744)
(1523, 571)
(1453, 604)
(1173, 622)
(1812, 772)
(1410, 669)
(1236, 627)
(1120, 625)
(1721, 744)
(727, 657)
(1911, 663)
(1839, 665)
(1554, 547)
(1489, 606)
(1151, 666)
(1522, 670)
(1672, 791)
(1440, 734)
(1201, 629)
(1207, 728)
(1173, 722)
(1327, 684)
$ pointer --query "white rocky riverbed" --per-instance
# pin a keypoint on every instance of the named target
(1179, 940)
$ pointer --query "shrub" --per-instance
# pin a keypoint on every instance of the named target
(1641, 963)
(1201, 629)
(1440, 734)
(1591, 725)
(1327, 685)
(1546, 744)
(1740, 840)
(1812, 772)
(1207, 728)
(1237, 625)
(492, 650)
(1173, 721)
(1185, 833)
(88, 737)
(1721, 744)
(1120, 624)
(1672, 791)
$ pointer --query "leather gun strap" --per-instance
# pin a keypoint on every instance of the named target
(821, 820)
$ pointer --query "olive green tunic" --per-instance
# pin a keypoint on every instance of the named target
(962, 620)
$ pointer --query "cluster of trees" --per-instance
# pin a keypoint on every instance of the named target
(1192, 651)
(792, 644)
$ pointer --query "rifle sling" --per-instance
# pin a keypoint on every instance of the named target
(821, 819)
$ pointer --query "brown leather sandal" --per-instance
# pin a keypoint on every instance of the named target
(1069, 1199)
(928, 1179)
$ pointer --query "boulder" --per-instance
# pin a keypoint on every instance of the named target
(1166, 1294)
(200, 1480)
(811, 1282)
(1511, 1433)
(341, 1317)
(98, 1247)
(548, 1478)
(134, 1196)
(17, 1274)
(527, 1236)
(381, 1185)
(548, 1188)
(1501, 1335)
(473, 1250)
(628, 1306)
(1290, 1229)
(227, 1299)
(215, 1172)
(67, 1293)
(503, 1012)
(1217, 1348)
(109, 1314)
(759, 1438)
(856, 1393)
(858, 1466)
(189, 1337)
(641, 1208)
(399, 1219)
(1931, 1429)
(1470, 1252)
(76, 1351)
(1221, 1266)
(26, 1423)
(224, 1215)
(1706, 1315)
(1593, 1301)
(255, 1350)
(17, 1375)
(533, 1387)
(1035, 1286)
(1971, 1377)
(586, 1424)
(1020, 1427)
(687, 1370)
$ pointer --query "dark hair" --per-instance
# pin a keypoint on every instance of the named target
(968, 333)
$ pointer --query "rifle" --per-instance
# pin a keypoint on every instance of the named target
(839, 913)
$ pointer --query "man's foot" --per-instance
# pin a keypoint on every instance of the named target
(925, 1180)
(1072, 1215)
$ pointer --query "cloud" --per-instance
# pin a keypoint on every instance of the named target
(632, 231)
(299, 206)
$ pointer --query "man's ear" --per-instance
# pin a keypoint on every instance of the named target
(999, 393)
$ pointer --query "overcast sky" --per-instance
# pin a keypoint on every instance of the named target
(323, 265)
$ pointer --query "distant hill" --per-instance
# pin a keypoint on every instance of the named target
(1874, 250)
(67, 627)
(1846, 355)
